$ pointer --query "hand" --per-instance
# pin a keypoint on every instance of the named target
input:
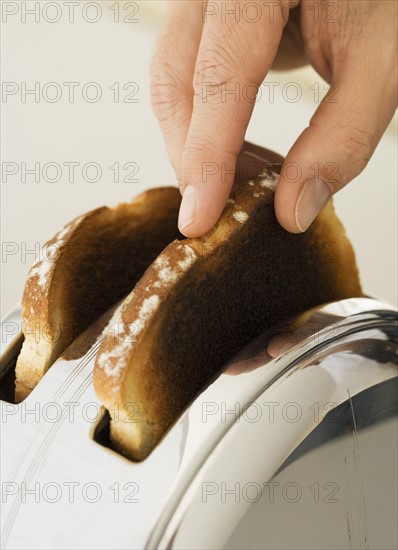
(202, 55)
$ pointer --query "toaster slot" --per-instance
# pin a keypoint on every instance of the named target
(7, 369)
(101, 431)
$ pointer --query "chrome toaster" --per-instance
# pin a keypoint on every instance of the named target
(295, 452)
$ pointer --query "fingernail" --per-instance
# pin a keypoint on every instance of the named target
(313, 197)
(188, 207)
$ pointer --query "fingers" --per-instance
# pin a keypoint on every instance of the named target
(339, 141)
(233, 59)
(248, 365)
(172, 75)
(301, 327)
(280, 344)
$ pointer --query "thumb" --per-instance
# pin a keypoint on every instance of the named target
(336, 146)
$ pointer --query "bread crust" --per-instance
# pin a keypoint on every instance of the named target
(203, 299)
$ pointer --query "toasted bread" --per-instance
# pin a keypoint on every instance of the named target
(203, 299)
(91, 264)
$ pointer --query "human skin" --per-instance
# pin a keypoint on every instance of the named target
(352, 44)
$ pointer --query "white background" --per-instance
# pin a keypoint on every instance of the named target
(106, 132)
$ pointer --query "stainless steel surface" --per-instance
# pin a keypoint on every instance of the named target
(256, 424)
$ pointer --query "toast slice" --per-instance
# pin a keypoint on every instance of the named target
(91, 264)
(203, 299)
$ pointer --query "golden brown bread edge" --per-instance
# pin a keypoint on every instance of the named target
(203, 299)
(91, 264)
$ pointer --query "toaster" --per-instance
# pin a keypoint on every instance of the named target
(299, 451)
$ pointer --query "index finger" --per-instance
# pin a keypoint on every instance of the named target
(234, 57)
